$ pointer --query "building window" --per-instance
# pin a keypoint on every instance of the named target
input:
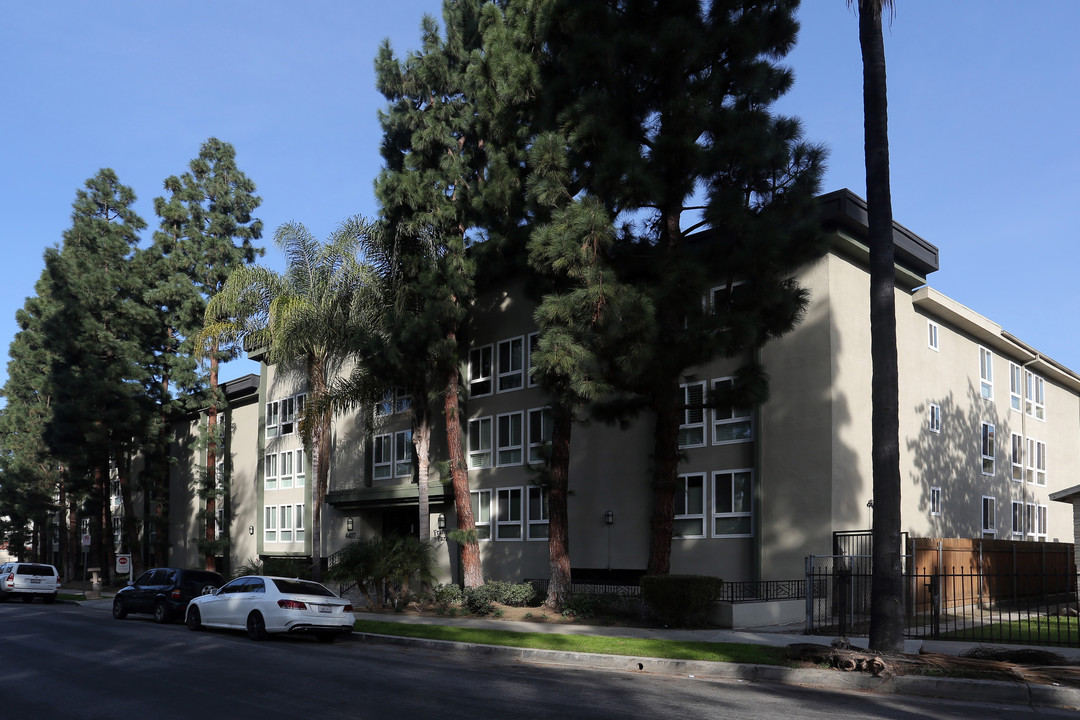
(1036, 396)
(935, 501)
(1029, 520)
(732, 504)
(986, 373)
(117, 531)
(1017, 458)
(692, 416)
(533, 346)
(382, 457)
(508, 514)
(690, 506)
(730, 424)
(539, 434)
(299, 516)
(1040, 519)
(989, 515)
(300, 471)
(538, 513)
(935, 418)
(480, 442)
(1014, 386)
(395, 400)
(288, 416)
(511, 364)
(932, 334)
(480, 371)
(403, 452)
(481, 510)
(285, 478)
(271, 419)
(1036, 462)
(1017, 518)
(271, 524)
(270, 473)
(510, 439)
(987, 449)
(286, 525)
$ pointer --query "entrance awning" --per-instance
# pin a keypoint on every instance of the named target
(384, 497)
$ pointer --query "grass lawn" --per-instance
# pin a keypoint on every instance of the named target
(1035, 631)
(670, 649)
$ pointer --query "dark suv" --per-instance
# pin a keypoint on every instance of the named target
(164, 592)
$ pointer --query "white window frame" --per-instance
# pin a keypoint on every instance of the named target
(285, 527)
(729, 414)
(382, 457)
(933, 331)
(509, 452)
(1017, 457)
(272, 410)
(989, 515)
(691, 420)
(1036, 462)
(685, 514)
(537, 513)
(506, 505)
(270, 471)
(285, 470)
(403, 452)
(298, 515)
(934, 421)
(747, 512)
(288, 416)
(1014, 386)
(935, 501)
(300, 470)
(1041, 522)
(532, 342)
(481, 367)
(986, 373)
(540, 432)
(1036, 396)
(1030, 513)
(385, 406)
(511, 377)
(270, 524)
(1017, 519)
(481, 447)
(986, 448)
(481, 507)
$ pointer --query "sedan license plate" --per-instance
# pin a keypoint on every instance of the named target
(326, 608)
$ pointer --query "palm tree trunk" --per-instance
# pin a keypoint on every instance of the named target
(210, 483)
(320, 442)
(422, 446)
(886, 591)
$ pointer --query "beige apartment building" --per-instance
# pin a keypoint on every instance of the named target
(989, 428)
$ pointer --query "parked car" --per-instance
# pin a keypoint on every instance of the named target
(28, 581)
(263, 605)
(164, 592)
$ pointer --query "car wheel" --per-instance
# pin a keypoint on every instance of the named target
(194, 621)
(326, 637)
(256, 626)
(28, 598)
(49, 598)
(118, 610)
(161, 613)
(207, 590)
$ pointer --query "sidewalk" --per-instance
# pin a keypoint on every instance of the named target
(782, 636)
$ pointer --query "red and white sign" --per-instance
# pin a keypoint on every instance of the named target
(123, 564)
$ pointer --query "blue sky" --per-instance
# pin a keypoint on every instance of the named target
(983, 103)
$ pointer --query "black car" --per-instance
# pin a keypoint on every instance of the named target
(165, 592)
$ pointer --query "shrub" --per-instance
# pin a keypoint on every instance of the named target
(680, 599)
(478, 600)
(508, 593)
(446, 595)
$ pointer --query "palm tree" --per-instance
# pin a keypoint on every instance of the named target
(311, 318)
(886, 604)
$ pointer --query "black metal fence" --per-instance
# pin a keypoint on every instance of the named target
(951, 603)
(763, 590)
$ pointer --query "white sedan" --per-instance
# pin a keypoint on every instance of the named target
(263, 605)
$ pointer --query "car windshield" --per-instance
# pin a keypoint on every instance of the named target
(35, 570)
(301, 587)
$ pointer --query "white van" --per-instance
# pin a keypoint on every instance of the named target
(28, 581)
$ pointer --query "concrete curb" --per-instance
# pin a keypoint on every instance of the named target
(913, 685)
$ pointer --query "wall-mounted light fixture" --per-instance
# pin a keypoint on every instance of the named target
(251, 529)
(348, 525)
(609, 517)
(440, 528)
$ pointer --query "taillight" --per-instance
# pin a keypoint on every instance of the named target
(10, 580)
(348, 608)
(291, 605)
(175, 595)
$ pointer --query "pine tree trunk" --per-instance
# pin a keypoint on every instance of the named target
(560, 590)
(472, 572)
(130, 527)
(886, 591)
(665, 472)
